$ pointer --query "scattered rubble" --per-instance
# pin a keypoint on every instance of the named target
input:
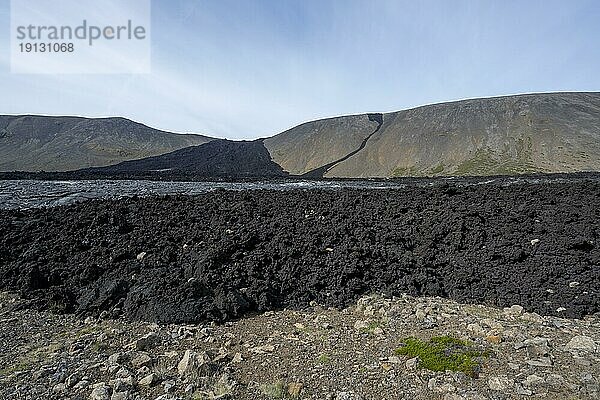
(319, 353)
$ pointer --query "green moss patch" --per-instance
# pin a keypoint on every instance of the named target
(31, 359)
(281, 390)
(438, 170)
(324, 359)
(404, 171)
(444, 353)
(488, 162)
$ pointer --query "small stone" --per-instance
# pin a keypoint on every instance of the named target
(533, 380)
(59, 388)
(169, 386)
(541, 362)
(123, 384)
(72, 380)
(141, 360)
(446, 387)
(532, 317)
(515, 310)
(361, 325)
(82, 384)
(120, 396)
(428, 322)
(267, 348)
(453, 396)
(171, 354)
(141, 256)
(347, 396)
(535, 241)
(495, 339)
(101, 391)
(193, 362)
(146, 342)
(168, 396)
(222, 357)
(237, 358)
(116, 358)
(584, 362)
(432, 384)
(500, 383)
(148, 380)
(476, 329)
(581, 343)
(123, 373)
(522, 391)
(412, 364)
(556, 381)
(573, 284)
(294, 389)
(557, 323)
(378, 331)
(189, 388)
(394, 360)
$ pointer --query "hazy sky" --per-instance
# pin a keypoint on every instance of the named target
(245, 69)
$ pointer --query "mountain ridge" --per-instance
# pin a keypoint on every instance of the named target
(427, 140)
(557, 132)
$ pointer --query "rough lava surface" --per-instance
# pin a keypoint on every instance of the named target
(224, 254)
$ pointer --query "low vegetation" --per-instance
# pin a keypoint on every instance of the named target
(281, 390)
(443, 353)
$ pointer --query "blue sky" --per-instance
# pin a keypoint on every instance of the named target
(247, 69)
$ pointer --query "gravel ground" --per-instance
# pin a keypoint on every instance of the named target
(318, 353)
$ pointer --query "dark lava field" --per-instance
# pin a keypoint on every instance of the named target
(223, 254)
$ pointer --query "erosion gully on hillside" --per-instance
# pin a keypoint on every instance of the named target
(220, 255)
(319, 173)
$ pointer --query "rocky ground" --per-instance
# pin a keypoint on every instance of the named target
(317, 353)
(220, 255)
(261, 294)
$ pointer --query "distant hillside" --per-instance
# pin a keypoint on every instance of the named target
(317, 143)
(33, 143)
(546, 133)
(557, 132)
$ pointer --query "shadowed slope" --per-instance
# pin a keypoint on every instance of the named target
(217, 158)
